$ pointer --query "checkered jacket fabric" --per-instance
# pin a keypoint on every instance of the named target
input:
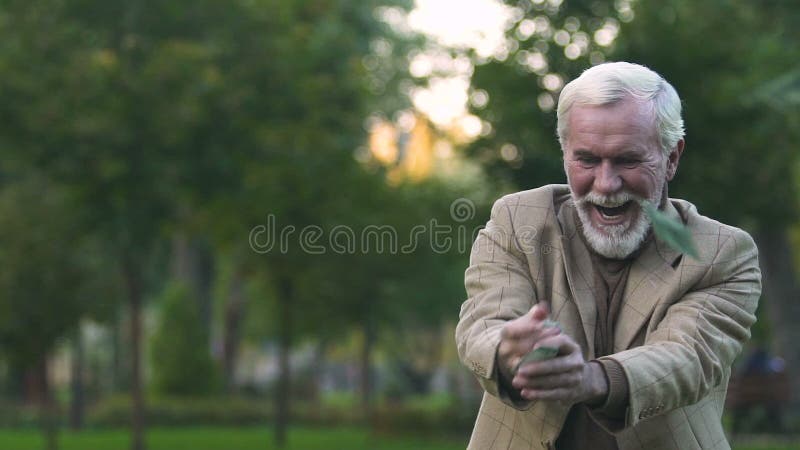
(682, 322)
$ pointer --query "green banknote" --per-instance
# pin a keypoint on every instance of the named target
(672, 232)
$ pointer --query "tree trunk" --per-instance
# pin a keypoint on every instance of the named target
(283, 411)
(782, 299)
(77, 400)
(366, 368)
(47, 405)
(234, 311)
(318, 369)
(15, 390)
(193, 266)
(32, 387)
(133, 281)
(117, 383)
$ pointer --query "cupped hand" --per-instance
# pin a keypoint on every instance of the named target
(519, 337)
(567, 377)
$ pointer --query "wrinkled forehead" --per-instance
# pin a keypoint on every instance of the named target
(628, 123)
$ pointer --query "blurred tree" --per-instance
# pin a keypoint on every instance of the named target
(230, 303)
(318, 71)
(76, 374)
(182, 365)
(192, 264)
(319, 99)
(42, 284)
(193, 118)
(515, 92)
(157, 112)
(115, 88)
(395, 278)
(103, 286)
(780, 248)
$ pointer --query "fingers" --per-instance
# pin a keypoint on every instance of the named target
(569, 358)
(563, 370)
(561, 394)
(555, 366)
(520, 335)
(549, 382)
(563, 386)
(526, 331)
(539, 311)
(517, 348)
(560, 379)
(514, 349)
(528, 324)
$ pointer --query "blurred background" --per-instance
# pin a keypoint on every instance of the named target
(244, 224)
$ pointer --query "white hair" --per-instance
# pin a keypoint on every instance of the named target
(609, 83)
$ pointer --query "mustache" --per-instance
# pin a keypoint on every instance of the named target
(609, 201)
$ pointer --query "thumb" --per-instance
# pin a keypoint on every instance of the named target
(539, 311)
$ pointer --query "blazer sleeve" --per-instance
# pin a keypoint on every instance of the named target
(499, 289)
(690, 352)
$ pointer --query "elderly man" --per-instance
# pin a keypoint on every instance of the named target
(646, 334)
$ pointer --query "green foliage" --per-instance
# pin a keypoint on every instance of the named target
(520, 106)
(182, 364)
(43, 284)
(432, 413)
(182, 411)
(675, 234)
(204, 116)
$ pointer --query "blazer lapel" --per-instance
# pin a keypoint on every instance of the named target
(580, 275)
(648, 278)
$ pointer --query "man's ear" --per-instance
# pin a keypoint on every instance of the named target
(673, 158)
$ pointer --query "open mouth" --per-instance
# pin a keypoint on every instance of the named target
(615, 211)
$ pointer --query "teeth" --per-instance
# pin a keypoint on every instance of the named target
(602, 209)
(608, 217)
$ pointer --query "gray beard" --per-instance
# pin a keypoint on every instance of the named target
(616, 241)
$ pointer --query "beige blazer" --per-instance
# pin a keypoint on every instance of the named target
(682, 323)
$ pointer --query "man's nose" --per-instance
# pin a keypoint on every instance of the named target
(606, 179)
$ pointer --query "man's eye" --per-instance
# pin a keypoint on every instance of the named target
(628, 161)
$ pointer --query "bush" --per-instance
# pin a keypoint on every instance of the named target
(181, 411)
(422, 415)
(430, 414)
(182, 363)
(217, 411)
(13, 415)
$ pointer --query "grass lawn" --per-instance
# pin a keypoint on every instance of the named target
(261, 439)
(228, 439)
